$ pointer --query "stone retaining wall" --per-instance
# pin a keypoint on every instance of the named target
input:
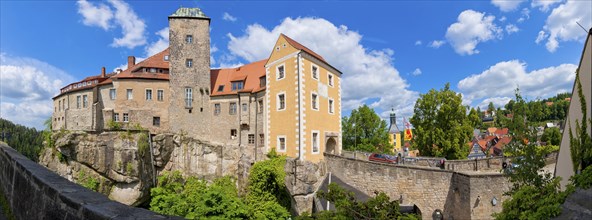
(458, 195)
(34, 192)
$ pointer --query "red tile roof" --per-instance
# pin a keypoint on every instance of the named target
(299, 46)
(249, 74)
(503, 142)
(502, 132)
(155, 61)
(302, 47)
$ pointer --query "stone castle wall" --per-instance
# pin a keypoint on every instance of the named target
(34, 192)
(459, 195)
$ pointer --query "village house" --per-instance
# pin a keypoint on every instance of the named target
(290, 102)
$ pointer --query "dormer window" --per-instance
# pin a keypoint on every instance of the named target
(238, 85)
(189, 63)
(153, 70)
(166, 57)
(262, 82)
(189, 39)
(220, 88)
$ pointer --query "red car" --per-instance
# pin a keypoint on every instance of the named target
(382, 158)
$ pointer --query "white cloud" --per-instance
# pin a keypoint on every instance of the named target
(503, 78)
(342, 48)
(121, 15)
(561, 24)
(542, 36)
(503, 18)
(161, 44)
(95, 15)
(497, 102)
(507, 5)
(418, 42)
(228, 17)
(524, 15)
(543, 5)
(26, 88)
(511, 28)
(416, 72)
(213, 49)
(133, 28)
(437, 43)
(472, 28)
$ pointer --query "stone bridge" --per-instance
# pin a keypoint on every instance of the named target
(457, 194)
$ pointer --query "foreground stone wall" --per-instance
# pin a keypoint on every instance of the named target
(33, 192)
(459, 195)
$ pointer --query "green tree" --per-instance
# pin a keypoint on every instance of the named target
(193, 198)
(442, 128)
(581, 144)
(475, 119)
(347, 207)
(27, 141)
(364, 130)
(490, 108)
(552, 136)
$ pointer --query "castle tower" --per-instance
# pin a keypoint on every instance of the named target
(189, 39)
(394, 132)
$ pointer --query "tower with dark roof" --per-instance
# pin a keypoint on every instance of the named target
(189, 40)
(394, 132)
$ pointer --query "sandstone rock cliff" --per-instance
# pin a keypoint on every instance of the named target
(119, 164)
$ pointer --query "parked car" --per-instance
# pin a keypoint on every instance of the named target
(382, 158)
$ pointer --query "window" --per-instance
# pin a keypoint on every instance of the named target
(315, 72)
(59, 105)
(232, 110)
(130, 94)
(125, 117)
(260, 104)
(83, 83)
(156, 121)
(315, 101)
(112, 94)
(116, 117)
(188, 97)
(153, 70)
(281, 143)
(281, 102)
(245, 107)
(217, 109)
(238, 85)
(166, 57)
(189, 39)
(315, 142)
(262, 81)
(331, 106)
(148, 94)
(64, 104)
(160, 95)
(78, 102)
(189, 63)
(232, 133)
(84, 101)
(261, 139)
(280, 72)
(330, 79)
(220, 88)
(251, 139)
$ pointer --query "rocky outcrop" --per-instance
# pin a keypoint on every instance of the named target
(119, 163)
(303, 179)
(116, 164)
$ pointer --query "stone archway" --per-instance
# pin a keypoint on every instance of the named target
(331, 145)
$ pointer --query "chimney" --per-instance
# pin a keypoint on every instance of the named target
(103, 72)
(131, 61)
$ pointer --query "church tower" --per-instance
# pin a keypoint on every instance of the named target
(394, 132)
(189, 40)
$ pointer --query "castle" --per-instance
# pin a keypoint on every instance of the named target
(290, 102)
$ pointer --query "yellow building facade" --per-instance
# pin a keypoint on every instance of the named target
(303, 102)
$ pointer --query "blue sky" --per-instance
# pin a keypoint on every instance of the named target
(389, 51)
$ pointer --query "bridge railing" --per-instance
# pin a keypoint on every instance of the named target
(34, 192)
